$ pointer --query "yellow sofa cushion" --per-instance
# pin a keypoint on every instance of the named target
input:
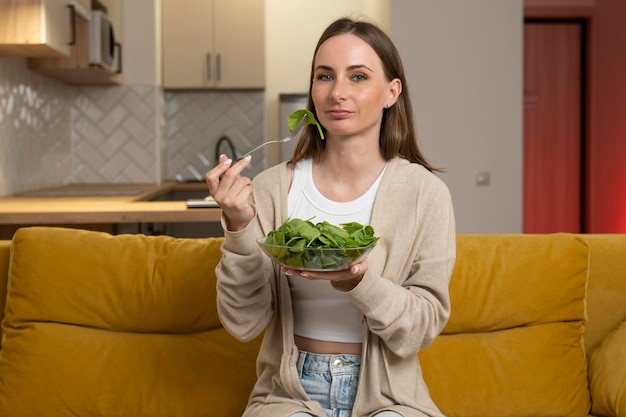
(606, 289)
(118, 325)
(5, 252)
(513, 345)
(607, 375)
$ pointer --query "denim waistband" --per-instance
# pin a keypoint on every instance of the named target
(321, 363)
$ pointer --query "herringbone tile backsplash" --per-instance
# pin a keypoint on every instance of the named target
(53, 134)
(132, 134)
(116, 134)
(196, 121)
(35, 146)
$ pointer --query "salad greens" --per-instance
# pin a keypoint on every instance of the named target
(294, 118)
(302, 243)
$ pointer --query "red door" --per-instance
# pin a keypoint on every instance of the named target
(553, 168)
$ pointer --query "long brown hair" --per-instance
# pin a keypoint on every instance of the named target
(397, 132)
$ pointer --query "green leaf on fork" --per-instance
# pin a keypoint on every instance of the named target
(294, 118)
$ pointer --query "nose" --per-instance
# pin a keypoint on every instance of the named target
(338, 91)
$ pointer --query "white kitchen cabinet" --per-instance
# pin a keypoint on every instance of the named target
(77, 68)
(213, 44)
(37, 27)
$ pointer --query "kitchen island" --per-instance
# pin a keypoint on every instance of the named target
(124, 208)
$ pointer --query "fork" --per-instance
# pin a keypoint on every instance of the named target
(292, 135)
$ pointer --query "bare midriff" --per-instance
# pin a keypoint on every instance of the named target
(325, 347)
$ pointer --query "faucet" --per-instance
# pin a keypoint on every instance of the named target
(230, 145)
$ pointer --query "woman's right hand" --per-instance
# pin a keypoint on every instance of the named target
(231, 191)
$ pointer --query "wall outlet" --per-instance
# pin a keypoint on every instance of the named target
(482, 178)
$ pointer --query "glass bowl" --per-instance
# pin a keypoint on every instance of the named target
(314, 259)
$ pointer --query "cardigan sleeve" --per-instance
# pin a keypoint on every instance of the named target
(409, 312)
(244, 290)
(246, 278)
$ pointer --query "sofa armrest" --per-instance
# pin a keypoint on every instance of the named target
(607, 375)
(5, 254)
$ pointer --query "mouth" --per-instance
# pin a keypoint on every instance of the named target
(338, 113)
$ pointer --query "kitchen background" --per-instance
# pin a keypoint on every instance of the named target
(56, 134)
(465, 77)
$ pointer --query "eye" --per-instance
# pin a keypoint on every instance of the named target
(359, 77)
(324, 77)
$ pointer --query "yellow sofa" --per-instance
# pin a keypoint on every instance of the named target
(101, 325)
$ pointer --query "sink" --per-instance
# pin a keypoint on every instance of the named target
(181, 195)
(194, 198)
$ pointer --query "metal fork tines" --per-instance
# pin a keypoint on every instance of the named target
(292, 135)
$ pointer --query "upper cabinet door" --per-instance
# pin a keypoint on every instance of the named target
(35, 27)
(213, 44)
(240, 43)
(187, 43)
(58, 25)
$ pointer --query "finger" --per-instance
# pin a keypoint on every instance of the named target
(241, 185)
(238, 166)
(355, 270)
(236, 194)
(223, 157)
(214, 176)
(230, 181)
(222, 166)
(359, 268)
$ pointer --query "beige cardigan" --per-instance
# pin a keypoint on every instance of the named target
(403, 296)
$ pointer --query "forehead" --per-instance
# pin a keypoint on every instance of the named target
(346, 49)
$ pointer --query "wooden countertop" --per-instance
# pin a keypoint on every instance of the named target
(76, 204)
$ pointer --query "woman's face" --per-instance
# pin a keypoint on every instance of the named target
(349, 87)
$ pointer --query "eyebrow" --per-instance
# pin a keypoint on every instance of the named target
(350, 68)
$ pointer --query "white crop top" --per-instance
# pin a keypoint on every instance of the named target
(321, 312)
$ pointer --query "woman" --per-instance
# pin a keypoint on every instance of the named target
(342, 343)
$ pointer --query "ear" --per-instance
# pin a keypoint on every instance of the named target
(395, 88)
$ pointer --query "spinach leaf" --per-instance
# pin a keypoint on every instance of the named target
(294, 118)
(303, 243)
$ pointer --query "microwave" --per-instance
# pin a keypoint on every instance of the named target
(103, 46)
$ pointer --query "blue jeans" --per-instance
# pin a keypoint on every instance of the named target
(331, 380)
(381, 414)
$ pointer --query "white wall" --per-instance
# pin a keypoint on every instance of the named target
(292, 28)
(464, 65)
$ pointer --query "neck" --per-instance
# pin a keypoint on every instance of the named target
(352, 158)
(345, 174)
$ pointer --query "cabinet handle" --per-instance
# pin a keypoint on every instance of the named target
(208, 66)
(219, 67)
(118, 45)
(72, 23)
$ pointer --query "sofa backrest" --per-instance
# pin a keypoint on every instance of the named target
(5, 255)
(606, 291)
(514, 341)
(125, 325)
(606, 307)
(605, 334)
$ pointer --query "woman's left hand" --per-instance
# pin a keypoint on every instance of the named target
(344, 280)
